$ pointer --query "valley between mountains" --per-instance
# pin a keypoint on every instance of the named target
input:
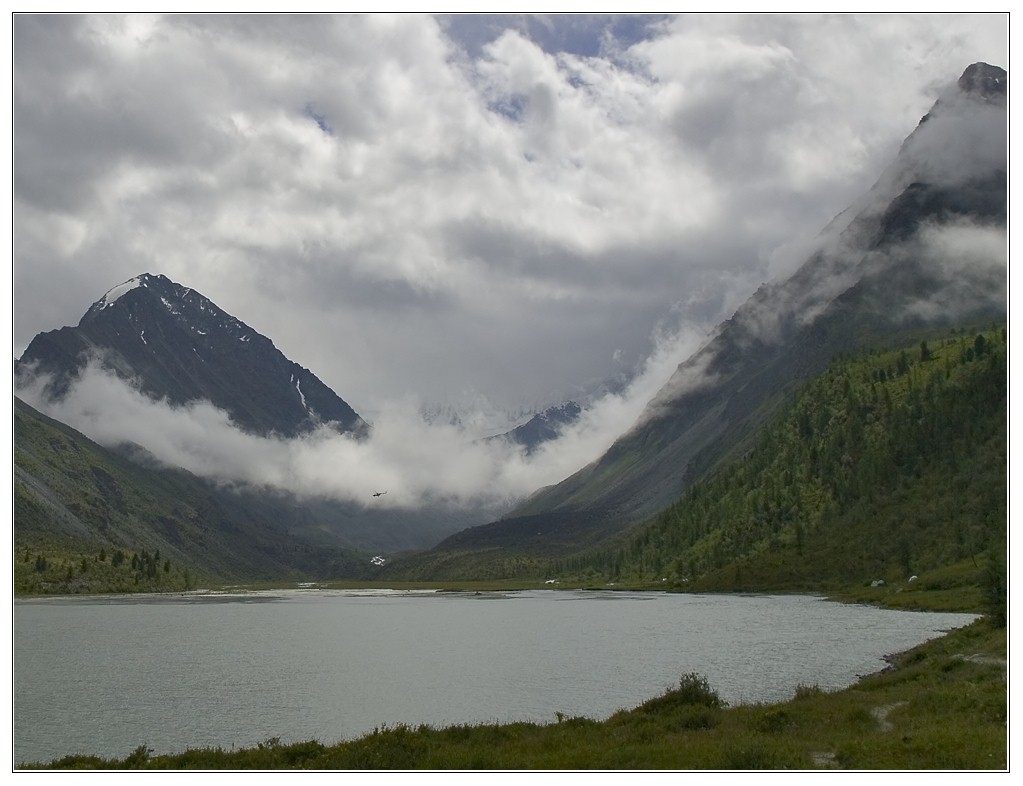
(843, 431)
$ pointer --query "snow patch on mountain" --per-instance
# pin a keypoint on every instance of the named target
(301, 395)
(111, 297)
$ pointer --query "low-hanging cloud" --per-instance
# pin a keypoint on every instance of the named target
(418, 463)
(969, 262)
(962, 268)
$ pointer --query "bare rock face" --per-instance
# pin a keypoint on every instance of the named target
(177, 345)
(987, 81)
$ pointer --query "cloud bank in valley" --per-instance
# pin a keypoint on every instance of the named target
(417, 463)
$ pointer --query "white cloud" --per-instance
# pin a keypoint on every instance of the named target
(408, 217)
(417, 463)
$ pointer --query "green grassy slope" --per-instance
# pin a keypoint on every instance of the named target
(76, 505)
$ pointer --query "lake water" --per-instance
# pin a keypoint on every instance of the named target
(104, 675)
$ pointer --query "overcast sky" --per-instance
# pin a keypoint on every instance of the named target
(494, 213)
(495, 209)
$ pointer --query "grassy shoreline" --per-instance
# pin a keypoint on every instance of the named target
(941, 705)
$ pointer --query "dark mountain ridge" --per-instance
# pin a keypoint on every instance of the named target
(881, 271)
(178, 345)
(73, 496)
(543, 426)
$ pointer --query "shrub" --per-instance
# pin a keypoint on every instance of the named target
(138, 758)
(808, 691)
(693, 690)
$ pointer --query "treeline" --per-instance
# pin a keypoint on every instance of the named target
(888, 464)
(52, 568)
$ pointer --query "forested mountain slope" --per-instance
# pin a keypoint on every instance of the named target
(889, 464)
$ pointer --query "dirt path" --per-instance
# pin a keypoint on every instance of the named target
(992, 659)
(881, 714)
(827, 759)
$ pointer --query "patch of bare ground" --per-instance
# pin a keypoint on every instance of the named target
(881, 714)
(992, 659)
(825, 759)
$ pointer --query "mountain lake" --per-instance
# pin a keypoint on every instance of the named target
(105, 674)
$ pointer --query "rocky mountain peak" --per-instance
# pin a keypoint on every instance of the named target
(178, 345)
(985, 81)
(148, 296)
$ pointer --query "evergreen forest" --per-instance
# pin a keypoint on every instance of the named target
(889, 465)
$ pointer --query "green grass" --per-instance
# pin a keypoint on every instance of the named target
(942, 705)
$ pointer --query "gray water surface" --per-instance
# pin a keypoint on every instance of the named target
(103, 675)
